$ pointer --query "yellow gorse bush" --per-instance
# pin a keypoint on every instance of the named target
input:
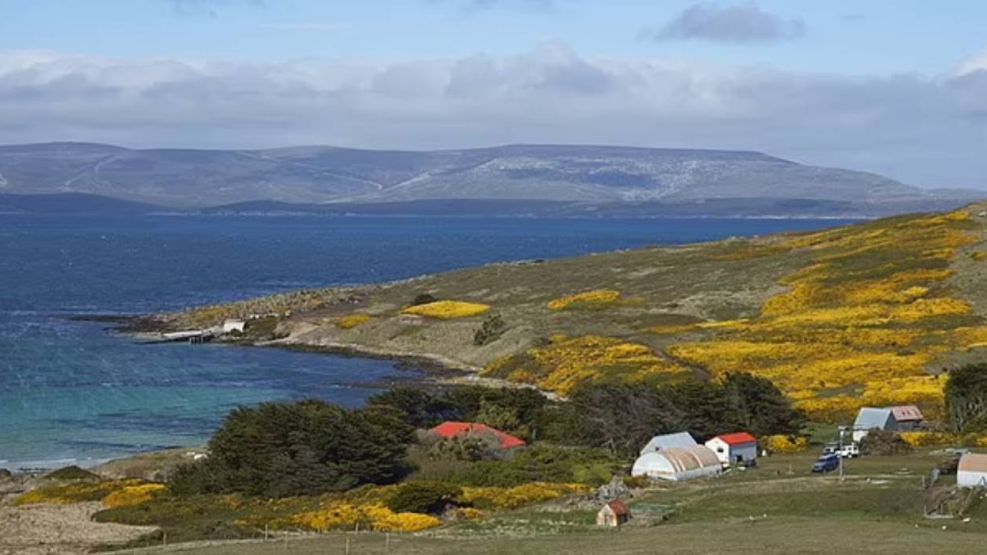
(565, 363)
(598, 298)
(351, 321)
(76, 492)
(447, 310)
(784, 444)
(347, 516)
(519, 496)
(133, 495)
(860, 325)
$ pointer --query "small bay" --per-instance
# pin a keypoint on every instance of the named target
(74, 392)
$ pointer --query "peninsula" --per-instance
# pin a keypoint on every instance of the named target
(868, 314)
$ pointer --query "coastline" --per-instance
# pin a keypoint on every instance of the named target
(436, 370)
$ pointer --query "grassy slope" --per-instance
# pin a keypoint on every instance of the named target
(863, 314)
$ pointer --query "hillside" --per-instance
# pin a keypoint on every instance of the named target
(73, 203)
(587, 179)
(867, 314)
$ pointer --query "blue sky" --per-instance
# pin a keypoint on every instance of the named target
(875, 36)
(895, 87)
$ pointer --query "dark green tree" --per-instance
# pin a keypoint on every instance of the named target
(966, 398)
(761, 408)
(423, 497)
(284, 449)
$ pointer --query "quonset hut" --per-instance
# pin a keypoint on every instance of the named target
(678, 463)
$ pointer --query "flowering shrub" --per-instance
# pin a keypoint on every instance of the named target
(784, 444)
(133, 495)
(598, 298)
(383, 519)
(347, 516)
(67, 494)
(352, 320)
(469, 513)
(447, 310)
(519, 496)
(334, 517)
(930, 439)
(566, 363)
(859, 325)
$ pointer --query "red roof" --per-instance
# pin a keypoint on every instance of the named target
(906, 413)
(450, 430)
(619, 508)
(739, 438)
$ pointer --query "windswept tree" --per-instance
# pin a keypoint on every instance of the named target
(285, 449)
(966, 398)
(761, 408)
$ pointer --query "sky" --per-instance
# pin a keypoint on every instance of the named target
(897, 87)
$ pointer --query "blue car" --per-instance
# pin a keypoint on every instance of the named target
(826, 463)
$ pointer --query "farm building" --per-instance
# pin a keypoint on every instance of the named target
(972, 471)
(907, 418)
(903, 418)
(613, 514)
(449, 430)
(740, 447)
(231, 326)
(666, 441)
(678, 463)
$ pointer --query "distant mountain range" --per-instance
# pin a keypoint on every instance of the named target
(513, 180)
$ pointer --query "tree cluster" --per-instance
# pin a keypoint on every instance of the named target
(520, 412)
(623, 418)
(285, 449)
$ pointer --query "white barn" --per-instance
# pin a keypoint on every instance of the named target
(972, 471)
(736, 448)
(678, 464)
(667, 441)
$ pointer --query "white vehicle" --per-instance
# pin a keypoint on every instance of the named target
(849, 451)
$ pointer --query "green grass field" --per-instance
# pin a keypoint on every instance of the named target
(780, 507)
(773, 535)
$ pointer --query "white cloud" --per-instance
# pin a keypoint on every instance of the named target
(923, 130)
(733, 24)
(974, 63)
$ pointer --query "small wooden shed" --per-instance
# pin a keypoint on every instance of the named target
(613, 514)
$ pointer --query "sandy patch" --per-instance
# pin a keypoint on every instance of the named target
(62, 529)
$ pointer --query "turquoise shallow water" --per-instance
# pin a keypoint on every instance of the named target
(73, 392)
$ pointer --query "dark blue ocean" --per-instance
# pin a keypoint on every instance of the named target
(75, 393)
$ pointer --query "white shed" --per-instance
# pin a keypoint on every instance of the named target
(678, 464)
(666, 441)
(740, 447)
(972, 471)
(231, 326)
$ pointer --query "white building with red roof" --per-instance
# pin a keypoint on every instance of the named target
(735, 448)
